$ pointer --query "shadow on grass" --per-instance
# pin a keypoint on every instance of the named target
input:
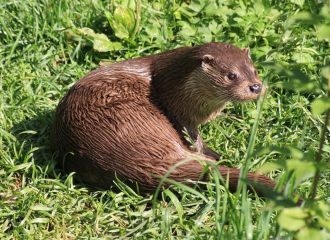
(34, 162)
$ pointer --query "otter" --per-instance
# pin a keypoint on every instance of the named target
(127, 120)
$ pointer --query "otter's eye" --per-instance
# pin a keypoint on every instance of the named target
(232, 76)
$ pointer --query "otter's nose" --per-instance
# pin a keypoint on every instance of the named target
(255, 88)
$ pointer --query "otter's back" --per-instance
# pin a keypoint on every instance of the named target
(108, 123)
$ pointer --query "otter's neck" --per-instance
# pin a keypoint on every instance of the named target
(186, 92)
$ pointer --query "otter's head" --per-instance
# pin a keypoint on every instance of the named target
(222, 73)
(230, 71)
(196, 83)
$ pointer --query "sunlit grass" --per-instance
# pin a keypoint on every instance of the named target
(38, 64)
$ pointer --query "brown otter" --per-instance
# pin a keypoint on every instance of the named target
(126, 120)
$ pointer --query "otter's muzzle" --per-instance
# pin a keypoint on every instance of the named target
(255, 88)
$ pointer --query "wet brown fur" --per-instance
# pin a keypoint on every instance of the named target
(127, 119)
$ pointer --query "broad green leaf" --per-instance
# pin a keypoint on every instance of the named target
(214, 27)
(309, 233)
(272, 13)
(321, 211)
(187, 30)
(241, 11)
(276, 165)
(100, 42)
(259, 7)
(292, 219)
(86, 32)
(302, 170)
(177, 15)
(123, 21)
(211, 9)
(320, 105)
(157, 6)
(128, 3)
(197, 5)
(186, 11)
(324, 222)
(205, 33)
(103, 44)
(323, 32)
(302, 57)
(325, 11)
(260, 52)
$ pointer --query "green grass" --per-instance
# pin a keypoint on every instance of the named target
(43, 53)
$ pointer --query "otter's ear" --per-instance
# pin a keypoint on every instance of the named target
(247, 50)
(208, 58)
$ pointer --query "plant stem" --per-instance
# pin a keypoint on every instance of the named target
(250, 148)
(137, 18)
(245, 168)
(319, 154)
(111, 6)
